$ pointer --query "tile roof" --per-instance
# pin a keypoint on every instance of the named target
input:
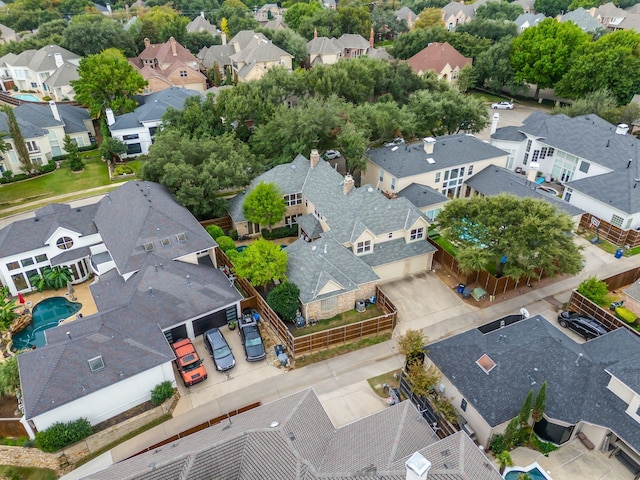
(422, 196)
(303, 444)
(436, 56)
(494, 180)
(575, 373)
(31, 233)
(138, 213)
(448, 151)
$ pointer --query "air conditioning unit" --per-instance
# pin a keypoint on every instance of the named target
(468, 430)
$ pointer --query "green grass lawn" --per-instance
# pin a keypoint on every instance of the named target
(27, 473)
(345, 318)
(62, 181)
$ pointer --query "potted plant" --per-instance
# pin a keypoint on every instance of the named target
(232, 324)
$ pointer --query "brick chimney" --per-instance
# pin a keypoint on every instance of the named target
(147, 42)
(409, 20)
(371, 38)
(429, 143)
(315, 157)
(348, 184)
(417, 467)
(174, 52)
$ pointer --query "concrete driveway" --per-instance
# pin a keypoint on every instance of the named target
(507, 118)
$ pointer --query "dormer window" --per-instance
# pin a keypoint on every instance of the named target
(416, 234)
(64, 243)
(148, 247)
(181, 237)
(363, 247)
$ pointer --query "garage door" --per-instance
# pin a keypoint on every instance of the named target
(176, 333)
(203, 324)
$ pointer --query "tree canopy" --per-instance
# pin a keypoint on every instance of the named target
(518, 235)
(264, 205)
(262, 263)
(107, 80)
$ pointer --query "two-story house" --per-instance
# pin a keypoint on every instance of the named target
(441, 58)
(168, 64)
(31, 69)
(43, 128)
(201, 24)
(351, 239)
(596, 161)
(592, 387)
(155, 279)
(138, 128)
(254, 55)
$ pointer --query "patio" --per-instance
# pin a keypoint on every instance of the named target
(81, 293)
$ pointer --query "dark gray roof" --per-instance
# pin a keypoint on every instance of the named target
(576, 385)
(72, 117)
(311, 265)
(310, 225)
(509, 133)
(139, 213)
(448, 151)
(28, 129)
(166, 292)
(63, 76)
(305, 445)
(216, 53)
(396, 250)
(70, 255)
(152, 107)
(43, 60)
(422, 196)
(583, 19)
(55, 374)
(31, 233)
(494, 180)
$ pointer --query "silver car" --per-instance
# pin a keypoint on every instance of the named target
(502, 106)
(219, 350)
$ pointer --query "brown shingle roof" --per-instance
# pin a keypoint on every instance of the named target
(436, 56)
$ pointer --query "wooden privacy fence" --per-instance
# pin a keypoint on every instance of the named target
(223, 222)
(490, 283)
(12, 428)
(610, 232)
(331, 338)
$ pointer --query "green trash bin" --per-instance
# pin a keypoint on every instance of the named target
(479, 294)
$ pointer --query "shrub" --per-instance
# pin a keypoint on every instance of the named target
(60, 435)
(280, 232)
(234, 234)
(226, 243)
(47, 167)
(215, 231)
(498, 443)
(86, 148)
(233, 254)
(626, 315)
(122, 170)
(283, 299)
(163, 391)
(595, 290)
(7, 174)
(20, 176)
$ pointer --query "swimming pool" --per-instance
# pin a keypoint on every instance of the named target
(26, 96)
(535, 471)
(46, 314)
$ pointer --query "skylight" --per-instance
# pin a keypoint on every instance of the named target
(148, 247)
(181, 237)
(96, 363)
(486, 363)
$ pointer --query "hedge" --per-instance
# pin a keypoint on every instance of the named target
(163, 391)
(626, 315)
(60, 435)
(280, 232)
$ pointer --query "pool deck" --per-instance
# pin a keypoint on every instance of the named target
(80, 294)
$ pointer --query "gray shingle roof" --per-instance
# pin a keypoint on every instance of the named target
(216, 53)
(72, 117)
(494, 180)
(403, 14)
(353, 40)
(576, 385)
(422, 195)
(305, 445)
(43, 60)
(530, 18)
(152, 107)
(63, 76)
(396, 250)
(138, 213)
(31, 233)
(448, 151)
(583, 19)
(323, 45)
(259, 50)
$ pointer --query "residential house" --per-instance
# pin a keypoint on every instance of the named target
(427, 199)
(527, 5)
(596, 161)
(583, 19)
(592, 387)
(441, 58)
(169, 64)
(275, 24)
(43, 128)
(457, 13)
(406, 14)
(526, 20)
(8, 34)
(441, 163)
(299, 440)
(155, 279)
(59, 83)
(201, 24)
(608, 15)
(267, 12)
(323, 51)
(351, 238)
(330, 4)
(354, 45)
(219, 55)
(255, 54)
(327, 51)
(31, 69)
(138, 128)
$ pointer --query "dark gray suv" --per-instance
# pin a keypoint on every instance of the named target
(219, 350)
(584, 325)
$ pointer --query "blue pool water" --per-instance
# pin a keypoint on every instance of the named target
(26, 96)
(534, 473)
(46, 314)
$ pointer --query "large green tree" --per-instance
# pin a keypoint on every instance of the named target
(499, 10)
(91, 34)
(264, 205)
(493, 67)
(262, 263)
(518, 235)
(544, 53)
(552, 8)
(285, 301)
(18, 140)
(107, 80)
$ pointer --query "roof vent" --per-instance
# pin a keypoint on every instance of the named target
(274, 424)
(622, 129)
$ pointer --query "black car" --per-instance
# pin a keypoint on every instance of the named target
(219, 350)
(251, 339)
(584, 325)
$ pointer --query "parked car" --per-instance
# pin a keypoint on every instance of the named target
(219, 350)
(188, 362)
(502, 105)
(584, 325)
(395, 142)
(251, 339)
(331, 154)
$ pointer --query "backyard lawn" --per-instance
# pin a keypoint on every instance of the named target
(345, 318)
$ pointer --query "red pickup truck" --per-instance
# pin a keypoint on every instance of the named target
(188, 362)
